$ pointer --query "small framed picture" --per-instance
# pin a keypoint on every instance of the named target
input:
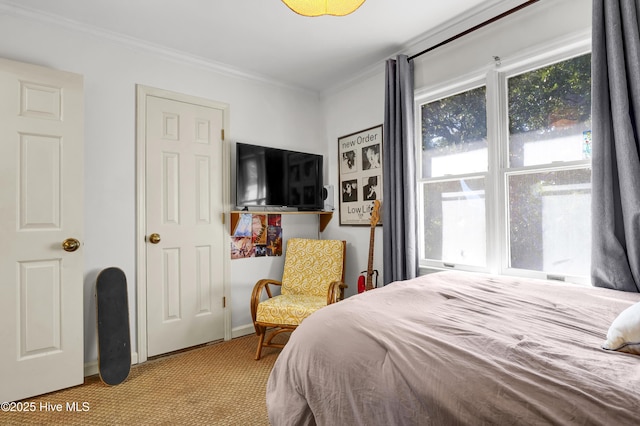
(359, 175)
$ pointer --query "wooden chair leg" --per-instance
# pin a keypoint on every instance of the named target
(260, 342)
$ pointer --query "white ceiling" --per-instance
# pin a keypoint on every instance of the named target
(264, 38)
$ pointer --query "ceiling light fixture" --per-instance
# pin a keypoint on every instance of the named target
(323, 7)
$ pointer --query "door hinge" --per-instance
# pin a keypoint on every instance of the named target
(223, 219)
(222, 134)
(224, 302)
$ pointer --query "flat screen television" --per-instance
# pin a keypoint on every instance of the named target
(273, 177)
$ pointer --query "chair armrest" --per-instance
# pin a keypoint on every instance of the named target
(257, 293)
(336, 292)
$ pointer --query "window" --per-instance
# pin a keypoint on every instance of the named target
(454, 168)
(514, 200)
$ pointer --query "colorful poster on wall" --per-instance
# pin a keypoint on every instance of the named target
(241, 247)
(274, 235)
(360, 175)
(241, 239)
(257, 235)
(259, 229)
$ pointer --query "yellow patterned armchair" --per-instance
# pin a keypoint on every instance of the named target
(313, 277)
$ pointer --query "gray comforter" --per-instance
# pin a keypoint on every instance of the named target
(454, 348)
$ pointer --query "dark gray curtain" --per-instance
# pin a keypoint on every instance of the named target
(399, 210)
(615, 253)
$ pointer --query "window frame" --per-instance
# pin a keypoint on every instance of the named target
(450, 89)
(495, 77)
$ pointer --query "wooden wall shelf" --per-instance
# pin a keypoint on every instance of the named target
(325, 217)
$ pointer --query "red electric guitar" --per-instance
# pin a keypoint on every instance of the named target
(365, 282)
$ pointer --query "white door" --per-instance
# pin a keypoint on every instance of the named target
(184, 210)
(41, 286)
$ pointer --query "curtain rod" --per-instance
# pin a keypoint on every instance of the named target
(470, 30)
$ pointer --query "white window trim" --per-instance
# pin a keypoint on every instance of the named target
(447, 89)
(494, 77)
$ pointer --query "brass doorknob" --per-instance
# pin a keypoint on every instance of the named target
(154, 238)
(70, 244)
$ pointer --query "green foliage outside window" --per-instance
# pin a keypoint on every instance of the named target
(537, 100)
(559, 93)
(455, 120)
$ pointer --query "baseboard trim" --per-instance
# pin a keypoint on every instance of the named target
(91, 368)
(243, 330)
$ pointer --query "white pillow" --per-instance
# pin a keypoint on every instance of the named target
(624, 332)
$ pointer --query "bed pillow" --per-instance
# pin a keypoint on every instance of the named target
(624, 332)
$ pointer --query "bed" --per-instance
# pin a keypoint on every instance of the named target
(455, 348)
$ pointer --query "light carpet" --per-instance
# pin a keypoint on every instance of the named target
(218, 384)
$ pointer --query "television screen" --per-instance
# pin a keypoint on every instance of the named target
(273, 177)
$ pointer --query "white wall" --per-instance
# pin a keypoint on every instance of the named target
(261, 113)
(536, 25)
(358, 107)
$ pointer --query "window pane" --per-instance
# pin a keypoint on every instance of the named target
(454, 135)
(549, 221)
(454, 221)
(550, 113)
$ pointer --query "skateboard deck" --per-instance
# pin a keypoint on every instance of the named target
(114, 341)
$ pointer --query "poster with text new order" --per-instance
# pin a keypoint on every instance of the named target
(360, 175)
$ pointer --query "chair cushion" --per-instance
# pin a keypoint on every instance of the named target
(289, 309)
(311, 265)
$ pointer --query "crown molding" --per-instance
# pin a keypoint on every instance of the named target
(472, 17)
(16, 10)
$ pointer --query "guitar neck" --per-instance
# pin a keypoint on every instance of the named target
(369, 281)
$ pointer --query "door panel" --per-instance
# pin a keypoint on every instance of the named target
(183, 196)
(41, 286)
